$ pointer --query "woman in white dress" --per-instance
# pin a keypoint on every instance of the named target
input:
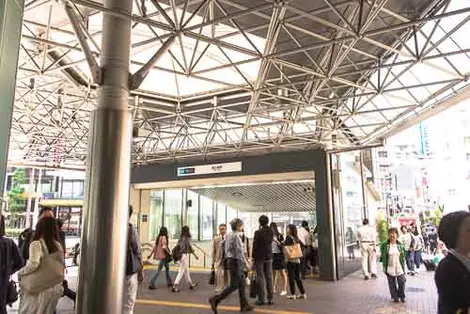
(45, 241)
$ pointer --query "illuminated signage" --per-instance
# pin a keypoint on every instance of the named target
(209, 169)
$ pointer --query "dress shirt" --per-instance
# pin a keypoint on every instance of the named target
(234, 246)
(366, 234)
(305, 237)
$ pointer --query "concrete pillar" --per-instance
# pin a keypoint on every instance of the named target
(327, 259)
(11, 17)
(104, 239)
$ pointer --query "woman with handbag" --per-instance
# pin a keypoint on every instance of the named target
(293, 253)
(41, 278)
(161, 253)
(186, 249)
(10, 262)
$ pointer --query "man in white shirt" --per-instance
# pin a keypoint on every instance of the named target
(367, 240)
(306, 240)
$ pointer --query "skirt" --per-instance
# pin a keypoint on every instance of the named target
(279, 262)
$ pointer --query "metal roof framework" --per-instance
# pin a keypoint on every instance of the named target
(234, 77)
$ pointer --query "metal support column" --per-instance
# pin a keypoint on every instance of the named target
(11, 17)
(365, 213)
(103, 252)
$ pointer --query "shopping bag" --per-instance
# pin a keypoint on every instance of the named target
(293, 251)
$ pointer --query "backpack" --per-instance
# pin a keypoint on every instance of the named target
(24, 240)
(133, 264)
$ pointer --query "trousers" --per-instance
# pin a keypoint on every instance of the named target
(369, 258)
(183, 271)
(130, 294)
(396, 285)
(264, 278)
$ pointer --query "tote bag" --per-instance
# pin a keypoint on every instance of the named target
(49, 273)
(293, 251)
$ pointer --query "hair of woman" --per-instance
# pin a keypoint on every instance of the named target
(292, 231)
(449, 228)
(393, 230)
(2, 226)
(276, 232)
(185, 232)
(47, 230)
(163, 233)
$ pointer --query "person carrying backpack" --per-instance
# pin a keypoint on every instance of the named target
(134, 268)
(10, 262)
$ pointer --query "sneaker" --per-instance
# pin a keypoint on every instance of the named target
(247, 308)
(291, 297)
(175, 289)
(283, 293)
(151, 287)
(302, 296)
(271, 302)
(366, 277)
(192, 286)
(374, 276)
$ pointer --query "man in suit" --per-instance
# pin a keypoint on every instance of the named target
(218, 260)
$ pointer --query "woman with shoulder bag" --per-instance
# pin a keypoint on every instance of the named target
(186, 249)
(293, 254)
(41, 278)
(10, 262)
(161, 252)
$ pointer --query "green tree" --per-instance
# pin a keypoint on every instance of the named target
(382, 227)
(16, 200)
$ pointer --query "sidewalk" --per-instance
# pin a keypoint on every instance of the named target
(351, 295)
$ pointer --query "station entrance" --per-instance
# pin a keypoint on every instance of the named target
(204, 195)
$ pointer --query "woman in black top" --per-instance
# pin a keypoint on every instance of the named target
(453, 272)
(186, 250)
(293, 266)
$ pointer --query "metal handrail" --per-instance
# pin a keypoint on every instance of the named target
(204, 253)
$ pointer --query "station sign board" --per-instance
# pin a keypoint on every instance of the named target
(209, 169)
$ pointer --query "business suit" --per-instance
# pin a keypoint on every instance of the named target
(263, 259)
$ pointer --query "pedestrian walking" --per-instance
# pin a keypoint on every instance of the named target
(186, 249)
(392, 256)
(218, 259)
(408, 241)
(279, 260)
(367, 239)
(161, 252)
(234, 252)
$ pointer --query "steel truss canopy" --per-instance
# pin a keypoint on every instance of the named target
(237, 77)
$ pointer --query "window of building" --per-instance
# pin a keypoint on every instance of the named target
(207, 221)
(173, 212)
(72, 189)
(156, 213)
(383, 154)
(193, 214)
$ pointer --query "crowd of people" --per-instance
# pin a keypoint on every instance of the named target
(272, 258)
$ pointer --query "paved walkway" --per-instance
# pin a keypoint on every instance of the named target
(351, 295)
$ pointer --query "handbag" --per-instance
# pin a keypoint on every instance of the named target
(49, 273)
(12, 293)
(212, 277)
(253, 286)
(293, 251)
(168, 256)
(176, 253)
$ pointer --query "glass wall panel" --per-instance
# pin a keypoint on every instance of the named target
(156, 213)
(193, 214)
(207, 219)
(231, 214)
(173, 212)
(221, 214)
